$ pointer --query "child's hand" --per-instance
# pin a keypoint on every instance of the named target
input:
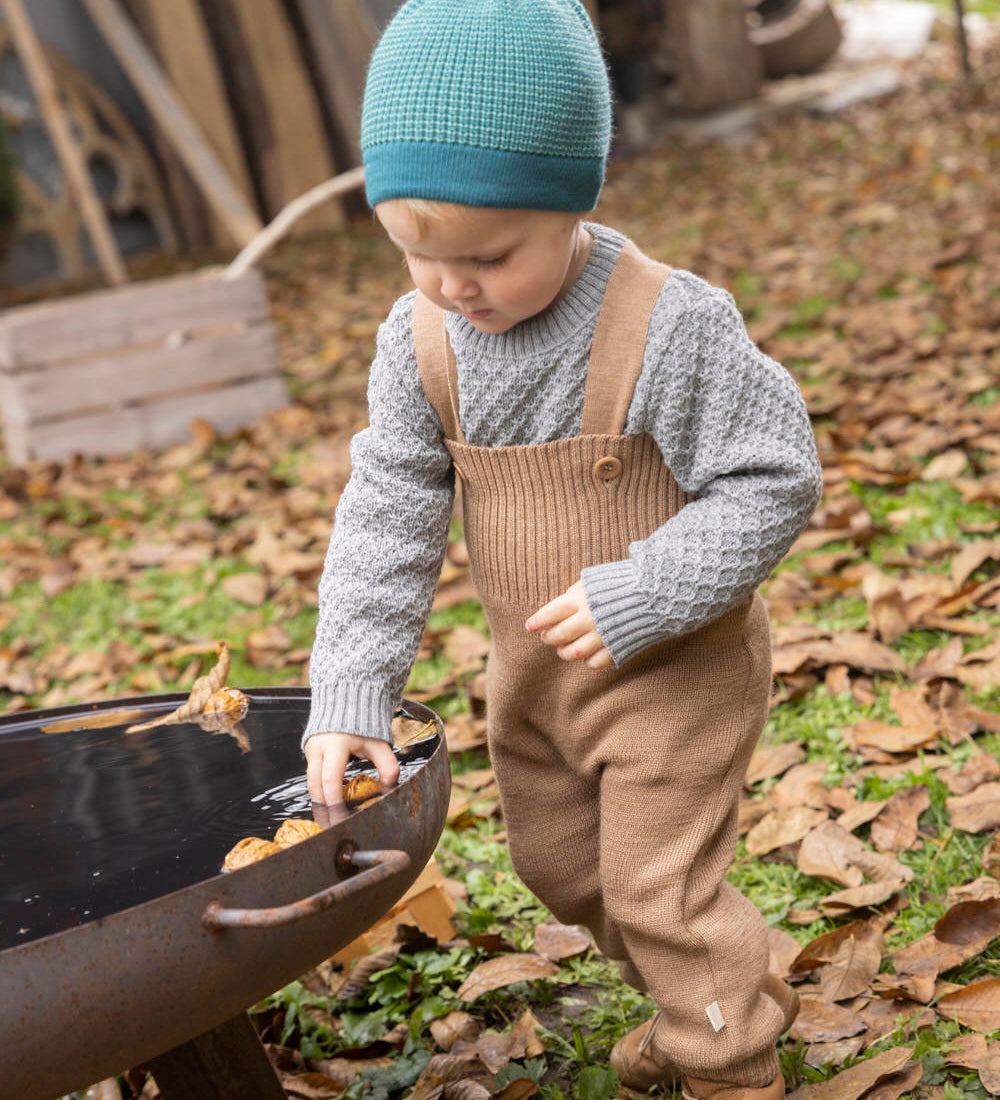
(566, 623)
(326, 758)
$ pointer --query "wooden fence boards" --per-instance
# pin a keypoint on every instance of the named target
(341, 35)
(179, 36)
(108, 372)
(291, 152)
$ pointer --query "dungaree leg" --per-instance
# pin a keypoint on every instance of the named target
(553, 822)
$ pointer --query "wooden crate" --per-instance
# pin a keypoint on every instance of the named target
(427, 904)
(112, 371)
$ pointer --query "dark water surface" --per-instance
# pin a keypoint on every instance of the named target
(93, 821)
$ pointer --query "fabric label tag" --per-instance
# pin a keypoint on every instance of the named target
(714, 1014)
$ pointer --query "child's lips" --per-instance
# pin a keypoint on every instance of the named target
(476, 314)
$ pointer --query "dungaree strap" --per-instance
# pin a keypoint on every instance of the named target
(620, 341)
(436, 363)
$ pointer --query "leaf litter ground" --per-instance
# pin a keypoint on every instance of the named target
(863, 251)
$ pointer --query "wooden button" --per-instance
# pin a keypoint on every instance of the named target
(607, 468)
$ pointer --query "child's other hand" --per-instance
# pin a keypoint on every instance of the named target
(326, 760)
(566, 623)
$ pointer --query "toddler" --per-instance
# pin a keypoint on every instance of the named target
(632, 467)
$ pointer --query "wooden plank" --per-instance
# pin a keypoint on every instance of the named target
(70, 157)
(178, 33)
(172, 116)
(342, 35)
(297, 155)
(158, 424)
(147, 375)
(716, 62)
(96, 324)
(228, 1061)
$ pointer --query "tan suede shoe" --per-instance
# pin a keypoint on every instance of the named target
(640, 1068)
(692, 1088)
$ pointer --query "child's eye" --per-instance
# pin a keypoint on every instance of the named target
(488, 265)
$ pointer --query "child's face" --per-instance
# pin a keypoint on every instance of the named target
(495, 267)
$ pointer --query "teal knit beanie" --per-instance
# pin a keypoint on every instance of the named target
(488, 103)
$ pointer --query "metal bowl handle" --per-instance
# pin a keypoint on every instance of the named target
(375, 867)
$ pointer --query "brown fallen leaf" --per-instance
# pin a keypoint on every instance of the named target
(860, 897)
(783, 949)
(772, 760)
(444, 1069)
(783, 826)
(976, 771)
(883, 1015)
(895, 828)
(456, 1025)
(248, 588)
(555, 941)
(821, 950)
(311, 1086)
(976, 811)
(974, 1052)
(976, 1005)
(826, 851)
(819, 1021)
(202, 690)
(852, 1083)
(467, 1089)
(887, 737)
(801, 786)
(505, 970)
(897, 1084)
(855, 962)
(834, 1053)
(860, 814)
(886, 607)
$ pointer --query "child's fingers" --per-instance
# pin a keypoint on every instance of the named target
(589, 645)
(381, 755)
(576, 626)
(553, 612)
(326, 758)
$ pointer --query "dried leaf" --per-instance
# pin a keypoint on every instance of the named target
(972, 774)
(974, 1052)
(360, 788)
(783, 826)
(976, 1006)
(854, 964)
(861, 897)
(557, 941)
(772, 760)
(466, 1090)
(819, 1021)
(521, 1088)
(204, 688)
(783, 950)
(835, 1053)
(311, 1086)
(895, 828)
(826, 853)
(505, 970)
(248, 588)
(897, 1084)
(852, 1083)
(456, 1025)
(976, 811)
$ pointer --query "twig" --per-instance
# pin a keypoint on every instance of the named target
(963, 40)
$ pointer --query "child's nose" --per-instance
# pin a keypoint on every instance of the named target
(456, 285)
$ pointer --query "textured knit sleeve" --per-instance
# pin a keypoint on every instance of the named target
(384, 559)
(733, 428)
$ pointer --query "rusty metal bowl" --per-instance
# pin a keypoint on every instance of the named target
(115, 989)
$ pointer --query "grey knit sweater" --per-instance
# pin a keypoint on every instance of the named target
(730, 422)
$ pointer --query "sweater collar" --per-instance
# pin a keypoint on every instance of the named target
(559, 322)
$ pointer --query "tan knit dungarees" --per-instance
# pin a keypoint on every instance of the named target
(619, 787)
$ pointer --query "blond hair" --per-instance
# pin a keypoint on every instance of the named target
(428, 212)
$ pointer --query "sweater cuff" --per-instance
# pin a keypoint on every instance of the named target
(620, 609)
(361, 708)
